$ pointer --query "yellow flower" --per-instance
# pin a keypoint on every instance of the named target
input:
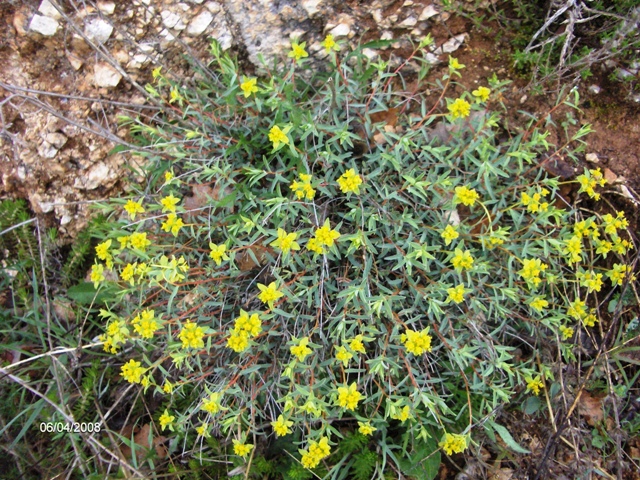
(573, 249)
(169, 203)
(621, 246)
(174, 95)
(191, 335)
(330, 44)
(242, 449)
(539, 304)
(116, 333)
(173, 223)
(132, 371)
(618, 273)
(249, 324)
(350, 181)
(298, 51)
(238, 341)
(139, 241)
(416, 342)
(449, 234)
(534, 385)
(203, 430)
(589, 181)
(403, 415)
(317, 451)
(124, 241)
(460, 108)
(168, 176)
(281, 426)
(577, 309)
(301, 350)
(481, 93)
(348, 397)
(467, 196)
(156, 73)
(167, 387)
(566, 332)
(343, 355)
(456, 294)
(132, 208)
(218, 252)
(212, 404)
(454, 64)
(453, 443)
(532, 201)
(325, 236)
(269, 294)
(278, 136)
(462, 260)
(166, 420)
(146, 324)
(249, 86)
(590, 320)
(286, 241)
(356, 345)
(366, 428)
(97, 274)
(128, 273)
(314, 246)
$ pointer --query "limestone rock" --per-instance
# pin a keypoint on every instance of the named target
(104, 75)
(172, 20)
(48, 10)
(56, 139)
(427, 13)
(98, 30)
(199, 23)
(107, 7)
(46, 26)
(452, 44)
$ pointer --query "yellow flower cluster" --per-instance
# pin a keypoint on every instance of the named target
(115, 334)
(577, 309)
(566, 332)
(269, 294)
(102, 252)
(297, 51)
(136, 241)
(166, 420)
(246, 327)
(330, 44)
(532, 201)
(403, 415)
(317, 451)
(145, 324)
(348, 397)
(97, 274)
(449, 234)
(173, 223)
(481, 94)
(282, 426)
(462, 260)
(132, 371)
(531, 270)
(324, 236)
(301, 350)
(459, 108)
(619, 272)
(212, 404)
(343, 355)
(453, 443)
(591, 280)
(350, 181)
(534, 385)
(416, 342)
(169, 203)
(586, 228)
(133, 269)
(573, 249)
(356, 344)
(456, 294)
(242, 449)
(538, 304)
(132, 208)
(589, 181)
(467, 196)
(303, 188)
(191, 335)
(286, 241)
(366, 428)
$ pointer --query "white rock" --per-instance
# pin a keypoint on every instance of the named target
(98, 30)
(107, 7)
(139, 60)
(311, 6)
(213, 7)
(46, 150)
(453, 217)
(184, 7)
(386, 35)
(66, 219)
(427, 13)
(377, 15)
(104, 75)
(56, 139)
(369, 53)
(95, 176)
(341, 30)
(408, 22)
(46, 26)
(431, 58)
(170, 19)
(595, 89)
(592, 158)
(453, 43)
(48, 10)
(199, 23)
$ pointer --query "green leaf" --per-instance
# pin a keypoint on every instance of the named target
(84, 293)
(424, 462)
(507, 438)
